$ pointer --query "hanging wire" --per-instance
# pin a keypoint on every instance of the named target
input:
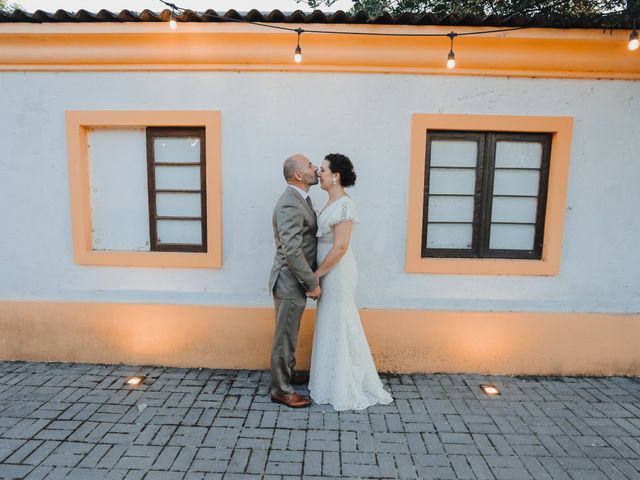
(634, 42)
(297, 57)
(341, 32)
(451, 57)
(633, 38)
(172, 19)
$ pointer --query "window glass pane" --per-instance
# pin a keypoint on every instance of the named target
(178, 204)
(452, 181)
(176, 149)
(119, 196)
(449, 235)
(450, 209)
(453, 153)
(180, 231)
(512, 209)
(178, 178)
(512, 237)
(514, 182)
(518, 154)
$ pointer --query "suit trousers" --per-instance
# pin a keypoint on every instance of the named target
(288, 315)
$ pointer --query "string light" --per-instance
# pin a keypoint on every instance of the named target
(634, 42)
(451, 58)
(297, 57)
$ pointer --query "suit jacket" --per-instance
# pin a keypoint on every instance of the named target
(294, 231)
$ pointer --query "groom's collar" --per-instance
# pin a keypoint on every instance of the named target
(300, 191)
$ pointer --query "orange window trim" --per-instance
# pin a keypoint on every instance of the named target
(78, 124)
(559, 127)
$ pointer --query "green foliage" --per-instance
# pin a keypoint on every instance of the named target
(546, 8)
(7, 7)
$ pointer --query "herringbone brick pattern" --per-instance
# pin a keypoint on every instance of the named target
(77, 421)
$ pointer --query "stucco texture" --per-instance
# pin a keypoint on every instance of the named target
(268, 116)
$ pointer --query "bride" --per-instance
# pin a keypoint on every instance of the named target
(342, 369)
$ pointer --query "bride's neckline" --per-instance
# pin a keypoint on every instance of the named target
(339, 198)
(336, 200)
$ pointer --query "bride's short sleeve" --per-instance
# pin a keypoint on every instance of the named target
(344, 213)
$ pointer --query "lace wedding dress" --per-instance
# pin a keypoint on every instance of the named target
(342, 369)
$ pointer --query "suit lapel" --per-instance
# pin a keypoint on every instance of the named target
(303, 202)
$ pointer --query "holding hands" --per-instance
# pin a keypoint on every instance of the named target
(315, 293)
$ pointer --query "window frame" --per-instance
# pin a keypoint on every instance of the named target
(543, 182)
(79, 122)
(483, 193)
(560, 131)
(175, 132)
(461, 136)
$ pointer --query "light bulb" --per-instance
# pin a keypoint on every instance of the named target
(298, 55)
(451, 60)
(172, 22)
(634, 43)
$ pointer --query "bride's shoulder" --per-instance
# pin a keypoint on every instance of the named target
(347, 199)
(350, 201)
(347, 209)
(345, 203)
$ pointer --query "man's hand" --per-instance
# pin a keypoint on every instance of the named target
(314, 294)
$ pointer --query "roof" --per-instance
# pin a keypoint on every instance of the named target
(317, 17)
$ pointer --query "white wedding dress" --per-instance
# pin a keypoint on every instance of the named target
(342, 369)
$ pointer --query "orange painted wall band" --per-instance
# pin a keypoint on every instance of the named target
(539, 343)
(572, 53)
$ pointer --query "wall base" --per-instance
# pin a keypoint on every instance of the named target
(401, 340)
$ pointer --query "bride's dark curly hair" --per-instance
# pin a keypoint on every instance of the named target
(341, 164)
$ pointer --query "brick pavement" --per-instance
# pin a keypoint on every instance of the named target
(77, 421)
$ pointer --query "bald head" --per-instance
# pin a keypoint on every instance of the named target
(295, 163)
(300, 172)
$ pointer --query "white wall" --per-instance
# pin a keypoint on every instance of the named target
(266, 117)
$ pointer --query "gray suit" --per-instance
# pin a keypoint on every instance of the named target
(294, 231)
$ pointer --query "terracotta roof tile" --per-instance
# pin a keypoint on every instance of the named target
(317, 17)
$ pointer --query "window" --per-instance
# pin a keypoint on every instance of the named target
(177, 193)
(485, 194)
(145, 188)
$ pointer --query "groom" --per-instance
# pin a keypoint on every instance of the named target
(292, 279)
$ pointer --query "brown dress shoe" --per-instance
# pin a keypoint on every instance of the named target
(292, 400)
(299, 379)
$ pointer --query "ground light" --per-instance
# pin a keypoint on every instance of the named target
(490, 390)
(134, 381)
